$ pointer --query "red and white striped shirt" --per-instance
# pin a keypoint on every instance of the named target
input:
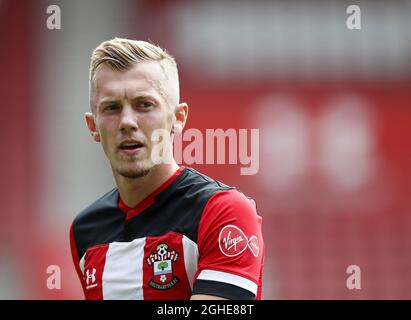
(193, 235)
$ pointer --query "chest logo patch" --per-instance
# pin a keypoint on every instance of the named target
(161, 263)
(233, 242)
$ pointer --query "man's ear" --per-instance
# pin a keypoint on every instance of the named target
(181, 114)
(91, 124)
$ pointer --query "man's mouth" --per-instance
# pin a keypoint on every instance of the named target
(131, 145)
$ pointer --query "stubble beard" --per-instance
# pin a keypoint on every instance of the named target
(133, 173)
(138, 170)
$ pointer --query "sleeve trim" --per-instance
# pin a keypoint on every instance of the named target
(229, 278)
(221, 289)
(81, 263)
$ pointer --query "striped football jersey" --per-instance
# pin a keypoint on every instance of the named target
(193, 235)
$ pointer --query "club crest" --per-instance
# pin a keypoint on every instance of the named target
(161, 263)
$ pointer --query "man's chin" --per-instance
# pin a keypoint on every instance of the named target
(133, 173)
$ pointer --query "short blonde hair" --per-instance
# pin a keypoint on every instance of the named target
(121, 54)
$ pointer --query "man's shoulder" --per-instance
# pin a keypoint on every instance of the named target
(208, 187)
(203, 183)
(98, 223)
(221, 198)
(105, 203)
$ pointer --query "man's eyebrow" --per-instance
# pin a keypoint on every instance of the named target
(144, 97)
(107, 101)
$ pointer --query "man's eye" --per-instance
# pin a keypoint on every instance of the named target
(111, 107)
(145, 105)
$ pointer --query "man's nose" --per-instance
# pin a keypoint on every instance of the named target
(128, 120)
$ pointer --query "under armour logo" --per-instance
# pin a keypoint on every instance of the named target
(91, 276)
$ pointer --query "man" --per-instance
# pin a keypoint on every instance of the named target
(165, 232)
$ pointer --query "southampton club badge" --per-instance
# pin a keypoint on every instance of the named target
(162, 265)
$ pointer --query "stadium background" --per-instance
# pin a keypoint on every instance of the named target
(332, 106)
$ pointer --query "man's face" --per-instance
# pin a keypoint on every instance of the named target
(127, 107)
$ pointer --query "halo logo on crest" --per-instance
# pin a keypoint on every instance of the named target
(233, 242)
(161, 262)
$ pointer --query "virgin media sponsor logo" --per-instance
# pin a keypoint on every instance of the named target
(233, 242)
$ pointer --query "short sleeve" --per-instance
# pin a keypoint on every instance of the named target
(231, 248)
(74, 255)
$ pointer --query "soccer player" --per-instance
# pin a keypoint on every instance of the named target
(165, 231)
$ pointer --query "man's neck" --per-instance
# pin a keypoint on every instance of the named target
(133, 191)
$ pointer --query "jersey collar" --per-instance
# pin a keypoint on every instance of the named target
(149, 200)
